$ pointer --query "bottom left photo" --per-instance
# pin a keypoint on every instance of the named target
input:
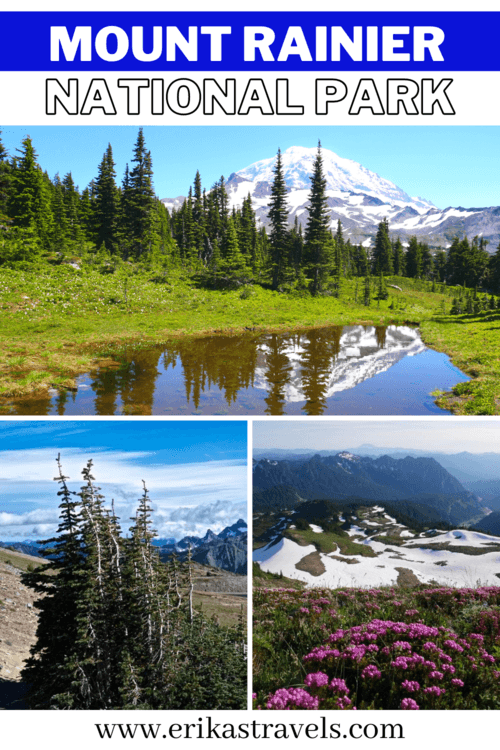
(123, 564)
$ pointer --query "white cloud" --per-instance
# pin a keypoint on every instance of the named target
(187, 498)
(27, 519)
(194, 521)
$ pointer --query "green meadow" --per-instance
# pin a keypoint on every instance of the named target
(60, 321)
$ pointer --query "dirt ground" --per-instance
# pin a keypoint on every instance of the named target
(18, 622)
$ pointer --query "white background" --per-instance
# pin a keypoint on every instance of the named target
(475, 97)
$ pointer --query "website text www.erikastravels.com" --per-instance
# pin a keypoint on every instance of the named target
(207, 728)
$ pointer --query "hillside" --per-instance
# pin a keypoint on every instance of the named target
(371, 548)
(18, 622)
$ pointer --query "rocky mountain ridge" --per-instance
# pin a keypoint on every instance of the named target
(226, 550)
(346, 475)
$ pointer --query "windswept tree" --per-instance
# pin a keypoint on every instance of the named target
(117, 627)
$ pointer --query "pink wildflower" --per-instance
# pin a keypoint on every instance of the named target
(316, 679)
(338, 686)
(408, 704)
(411, 685)
(434, 690)
(372, 672)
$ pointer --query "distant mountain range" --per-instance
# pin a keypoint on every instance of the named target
(359, 198)
(283, 484)
(226, 550)
(472, 469)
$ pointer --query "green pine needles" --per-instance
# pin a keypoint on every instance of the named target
(117, 628)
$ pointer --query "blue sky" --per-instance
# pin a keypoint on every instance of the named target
(447, 436)
(451, 166)
(195, 472)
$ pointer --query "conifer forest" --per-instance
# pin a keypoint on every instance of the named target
(105, 224)
(117, 628)
(84, 271)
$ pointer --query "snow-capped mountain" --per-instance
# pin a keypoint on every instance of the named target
(342, 176)
(227, 550)
(358, 197)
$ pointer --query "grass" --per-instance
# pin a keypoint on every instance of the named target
(328, 542)
(19, 561)
(261, 578)
(58, 322)
(473, 344)
(226, 608)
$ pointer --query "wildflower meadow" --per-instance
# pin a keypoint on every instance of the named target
(391, 648)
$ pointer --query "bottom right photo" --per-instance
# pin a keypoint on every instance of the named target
(376, 564)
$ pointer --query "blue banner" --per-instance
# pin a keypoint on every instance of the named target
(250, 41)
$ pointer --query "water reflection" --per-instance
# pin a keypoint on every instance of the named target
(342, 370)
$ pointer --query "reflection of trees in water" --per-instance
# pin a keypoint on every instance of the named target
(320, 347)
(224, 363)
(134, 381)
(278, 372)
(62, 399)
(380, 334)
(39, 407)
(227, 362)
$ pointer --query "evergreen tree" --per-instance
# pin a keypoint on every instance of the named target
(234, 265)
(247, 232)
(30, 197)
(367, 294)
(50, 671)
(382, 292)
(59, 234)
(427, 261)
(296, 246)
(399, 258)
(199, 220)
(317, 232)
(279, 237)
(5, 184)
(440, 265)
(341, 264)
(414, 259)
(106, 213)
(494, 271)
(141, 215)
(117, 628)
(72, 201)
(382, 253)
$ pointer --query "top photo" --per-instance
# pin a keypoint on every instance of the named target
(240, 270)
